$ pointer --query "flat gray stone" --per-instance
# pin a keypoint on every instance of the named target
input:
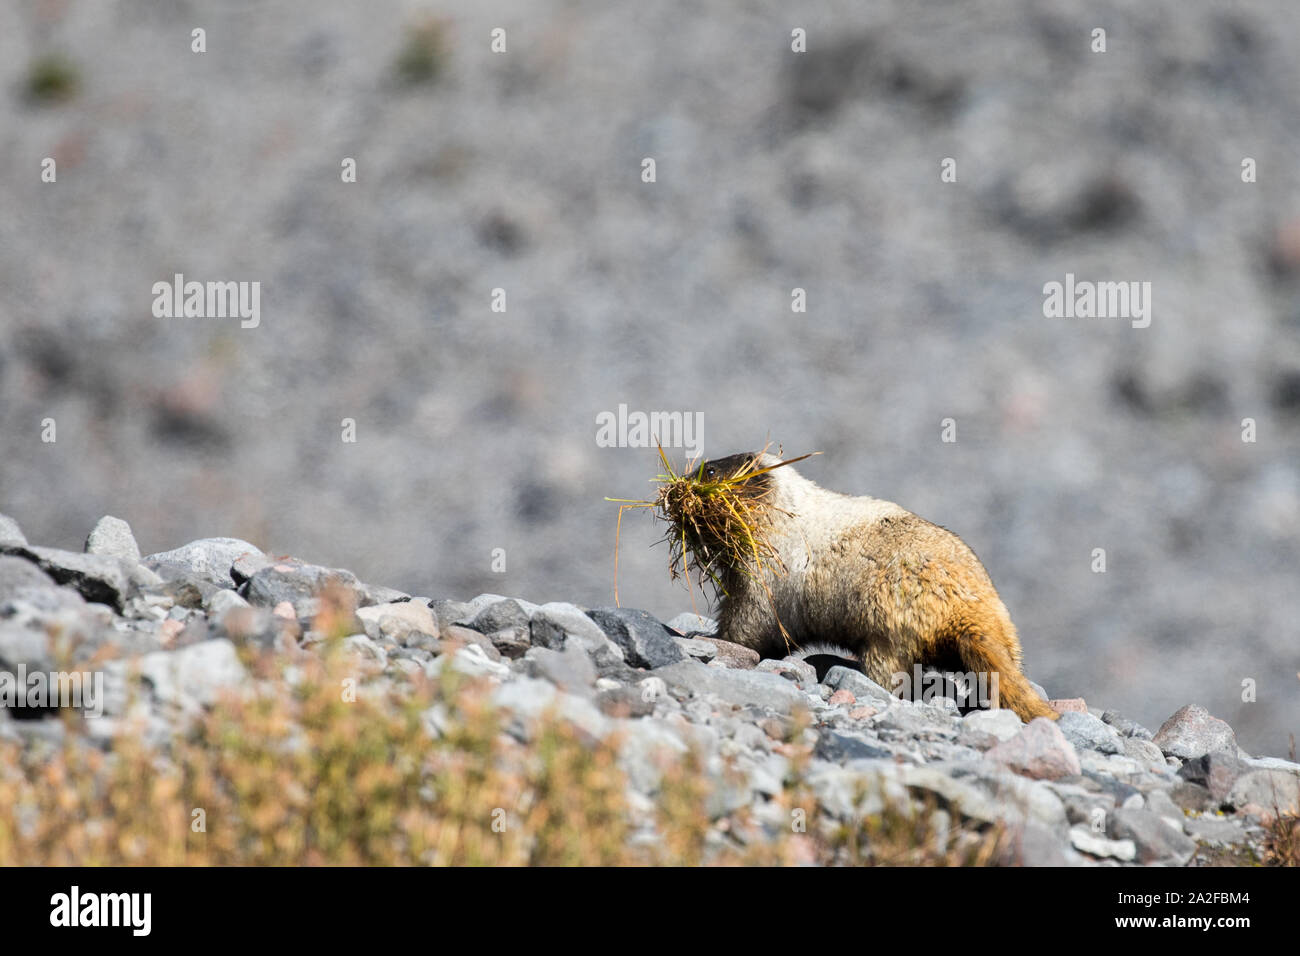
(209, 558)
(688, 624)
(859, 685)
(792, 669)
(1087, 732)
(699, 650)
(1155, 839)
(753, 688)
(1085, 840)
(1002, 724)
(1215, 831)
(397, 622)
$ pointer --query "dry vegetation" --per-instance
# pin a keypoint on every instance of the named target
(293, 772)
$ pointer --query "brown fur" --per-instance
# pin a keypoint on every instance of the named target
(875, 579)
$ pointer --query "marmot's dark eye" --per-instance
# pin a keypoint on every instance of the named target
(710, 472)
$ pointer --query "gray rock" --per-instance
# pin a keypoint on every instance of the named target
(1039, 846)
(25, 647)
(248, 564)
(222, 601)
(1215, 831)
(456, 635)
(209, 558)
(1087, 732)
(1032, 799)
(1217, 772)
(243, 626)
(700, 650)
(688, 624)
(10, 533)
(507, 623)
(362, 647)
(448, 612)
(1194, 797)
(738, 687)
(1040, 751)
(645, 641)
(191, 677)
(620, 700)
(1144, 752)
(528, 699)
(556, 624)
(1002, 724)
(397, 622)
(735, 656)
(113, 537)
(1160, 803)
(791, 669)
(184, 587)
(20, 579)
(1192, 732)
(1155, 839)
(372, 594)
(908, 721)
(1271, 763)
(481, 602)
(570, 669)
(647, 746)
(840, 748)
(299, 584)
(1124, 726)
(1114, 766)
(470, 660)
(764, 774)
(859, 685)
(1264, 792)
(1083, 839)
(988, 798)
(98, 578)
(1084, 805)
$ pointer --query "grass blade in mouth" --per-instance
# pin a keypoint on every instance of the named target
(714, 524)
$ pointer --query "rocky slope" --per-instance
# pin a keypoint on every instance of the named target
(1095, 788)
(476, 430)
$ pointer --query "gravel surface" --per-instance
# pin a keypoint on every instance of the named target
(1095, 788)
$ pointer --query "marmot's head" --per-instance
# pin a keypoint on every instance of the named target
(720, 469)
(782, 488)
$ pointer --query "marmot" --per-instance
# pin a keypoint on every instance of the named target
(871, 577)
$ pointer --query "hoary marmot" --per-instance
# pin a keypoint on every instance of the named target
(871, 577)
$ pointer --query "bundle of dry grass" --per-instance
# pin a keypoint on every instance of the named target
(713, 520)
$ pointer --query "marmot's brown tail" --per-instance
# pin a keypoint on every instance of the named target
(983, 654)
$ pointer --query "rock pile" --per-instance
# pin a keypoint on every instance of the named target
(1093, 788)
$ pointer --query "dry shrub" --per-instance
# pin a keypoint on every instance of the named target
(298, 769)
